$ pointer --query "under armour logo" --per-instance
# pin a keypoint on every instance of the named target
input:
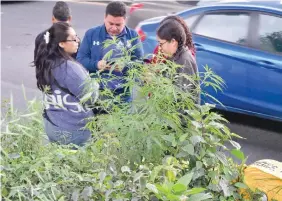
(128, 44)
(96, 42)
(120, 44)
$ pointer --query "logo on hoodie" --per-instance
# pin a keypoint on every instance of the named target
(128, 44)
(96, 42)
(58, 101)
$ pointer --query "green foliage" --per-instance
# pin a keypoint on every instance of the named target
(166, 147)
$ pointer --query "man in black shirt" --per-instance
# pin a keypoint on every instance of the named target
(61, 13)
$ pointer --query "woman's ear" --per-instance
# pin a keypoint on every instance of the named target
(174, 41)
(61, 44)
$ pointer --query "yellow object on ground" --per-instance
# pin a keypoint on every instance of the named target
(266, 176)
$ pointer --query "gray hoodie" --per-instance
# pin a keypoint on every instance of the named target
(63, 105)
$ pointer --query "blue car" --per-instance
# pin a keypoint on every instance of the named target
(242, 43)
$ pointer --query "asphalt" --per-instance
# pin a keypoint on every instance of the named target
(22, 21)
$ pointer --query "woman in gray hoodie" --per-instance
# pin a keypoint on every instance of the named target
(67, 88)
(172, 38)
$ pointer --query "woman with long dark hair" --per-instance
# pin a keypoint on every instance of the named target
(173, 44)
(189, 40)
(67, 88)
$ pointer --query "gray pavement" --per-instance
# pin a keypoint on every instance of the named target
(22, 21)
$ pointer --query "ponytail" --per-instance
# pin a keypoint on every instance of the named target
(42, 70)
(49, 54)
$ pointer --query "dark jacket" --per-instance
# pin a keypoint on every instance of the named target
(39, 38)
(91, 49)
(189, 67)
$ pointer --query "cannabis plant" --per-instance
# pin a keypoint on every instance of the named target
(161, 145)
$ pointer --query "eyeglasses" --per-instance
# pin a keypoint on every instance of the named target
(161, 44)
(77, 39)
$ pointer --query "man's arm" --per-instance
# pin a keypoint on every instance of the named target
(37, 42)
(138, 52)
(84, 53)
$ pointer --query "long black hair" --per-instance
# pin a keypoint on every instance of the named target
(171, 29)
(49, 54)
(189, 40)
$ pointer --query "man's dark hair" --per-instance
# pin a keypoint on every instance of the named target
(61, 11)
(116, 9)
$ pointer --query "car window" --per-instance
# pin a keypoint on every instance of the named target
(229, 26)
(190, 20)
(270, 33)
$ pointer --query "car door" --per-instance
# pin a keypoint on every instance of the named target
(265, 78)
(222, 43)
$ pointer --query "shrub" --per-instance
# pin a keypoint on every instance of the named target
(166, 147)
